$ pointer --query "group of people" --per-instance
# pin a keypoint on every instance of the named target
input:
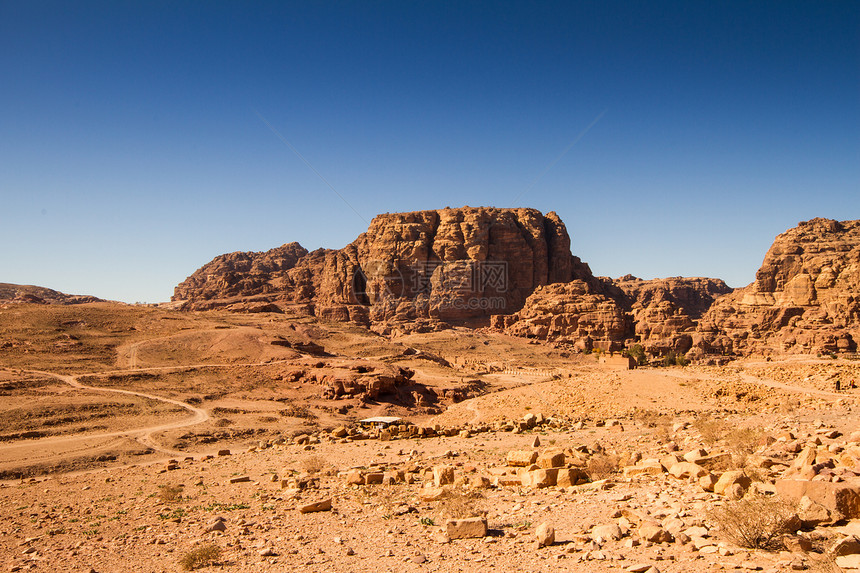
(852, 385)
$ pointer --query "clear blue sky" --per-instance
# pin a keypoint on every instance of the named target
(132, 148)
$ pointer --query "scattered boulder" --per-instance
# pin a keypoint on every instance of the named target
(466, 528)
(545, 535)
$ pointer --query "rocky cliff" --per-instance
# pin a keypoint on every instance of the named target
(407, 269)
(425, 269)
(805, 299)
(246, 274)
(610, 314)
(665, 311)
(584, 314)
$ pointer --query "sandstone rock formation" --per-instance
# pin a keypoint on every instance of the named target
(608, 315)
(276, 272)
(665, 311)
(407, 269)
(575, 312)
(40, 295)
(806, 297)
(423, 270)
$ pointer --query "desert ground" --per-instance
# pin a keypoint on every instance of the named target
(146, 439)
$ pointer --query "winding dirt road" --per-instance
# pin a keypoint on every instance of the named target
(142, 435)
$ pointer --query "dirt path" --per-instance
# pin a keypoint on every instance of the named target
(789, 388)
(142, 435)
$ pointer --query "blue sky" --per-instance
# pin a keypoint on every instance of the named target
(135, 142)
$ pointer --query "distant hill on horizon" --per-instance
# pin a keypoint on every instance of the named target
(10, 292)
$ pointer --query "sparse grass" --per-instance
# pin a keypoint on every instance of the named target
(755, 522)
(601, 466)
(177, 513)
(314, 465)
(427, 521)
(200, 557)
(457, 505)
(742, 442)
(215, 506)
(170, 493)
(711, 429)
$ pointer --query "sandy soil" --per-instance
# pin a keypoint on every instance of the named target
(98, 399)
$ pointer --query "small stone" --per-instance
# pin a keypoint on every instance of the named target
(607, 532)
(419, 558)
(545, 535)
(323, 505)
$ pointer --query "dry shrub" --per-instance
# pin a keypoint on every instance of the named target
(200, 557)
(756, 521)
(314, 465)
(222, 422)
(649, 418)
(823, 564)
(458, 505)
(170, 493)
(601, 466)
(711, 429)
(663, 431)
(742, 442)
(297, 411)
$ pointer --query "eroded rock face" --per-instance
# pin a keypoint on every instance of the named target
(242, 274)
(447, 265)
(407, 269)
(422, 270)
(576, 312)
(665, 311)
(606, 314)
(806, 297)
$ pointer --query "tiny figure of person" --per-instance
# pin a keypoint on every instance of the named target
(838, 386)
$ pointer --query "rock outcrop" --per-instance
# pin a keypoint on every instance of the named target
(607, 314)
(805, 299)
(665, 311)
(576, 313)
(408, 270)
(246, 274)
(427, 269)
(40, 295)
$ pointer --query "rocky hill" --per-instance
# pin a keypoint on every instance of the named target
(805, 299)
(665, 312)
(609, 314)
(513, 269)
(40, 295)
(408, 270)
